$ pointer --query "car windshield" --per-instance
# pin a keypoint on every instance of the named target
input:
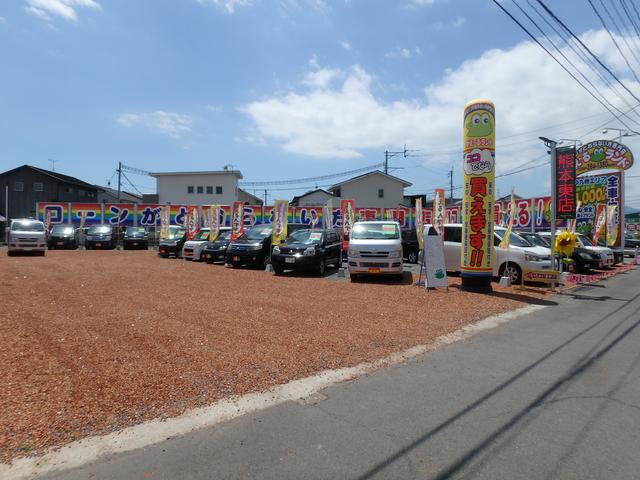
(306, 237)
(585, 241)
(96, 229)
(175, 233)
(27, 226)
(201, 236)
(536, 240)
(62, 230)
(515, 240)
(375, 231)
(224, 235)
(135, 231)
(256, 233)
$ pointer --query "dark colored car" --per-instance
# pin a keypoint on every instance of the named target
(135, 237)
(100, 236)
(172, 245)
(307, 250)
(410, 246)
(62, 236)
(583, 260)
(618, 253)
(253, 248)
(216, 251)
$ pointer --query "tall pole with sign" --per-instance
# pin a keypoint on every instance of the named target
(478, 167)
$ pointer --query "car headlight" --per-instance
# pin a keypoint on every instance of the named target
(309, 251)
(276, 250)
(532, 257)
(585, 256)
(256, 246)
(396, 254)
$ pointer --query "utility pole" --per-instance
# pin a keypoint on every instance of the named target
(450, 175)
(265, 197)
(119, 180)
(388, 155)
(53, 164)
(551, 145)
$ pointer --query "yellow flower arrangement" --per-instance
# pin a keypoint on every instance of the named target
(566, 242)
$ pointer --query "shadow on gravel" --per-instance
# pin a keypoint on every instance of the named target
(407, 279)
(518, 297)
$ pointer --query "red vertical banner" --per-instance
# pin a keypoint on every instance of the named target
(237, 220)
(600, 222)
(438, 211)
(565, 202)
(193, 221)
(348, 215)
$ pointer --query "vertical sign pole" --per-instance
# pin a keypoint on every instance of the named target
(553, 203)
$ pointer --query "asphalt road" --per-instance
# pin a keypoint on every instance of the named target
(551, 395)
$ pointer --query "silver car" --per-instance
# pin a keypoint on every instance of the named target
(26, 235)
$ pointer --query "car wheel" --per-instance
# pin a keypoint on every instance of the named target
(513, 271)
(322, 267)
(412, 256)
(278, 270)
(209, 260)
(9, 253)
(354, 277)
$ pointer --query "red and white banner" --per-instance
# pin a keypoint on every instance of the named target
(193, 221)
(237, 220)
(348, 215)
(600, 223)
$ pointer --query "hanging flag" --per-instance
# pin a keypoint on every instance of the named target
(600, 222)
(279, 233)
(347, 211)
(439, 211)
(326, 215)
(165, 218)
(612, 225)
(214, 222)
(47, 221)
(237, 220)
(192, 221)
(571, 224)
(504, 243)
(419, 222)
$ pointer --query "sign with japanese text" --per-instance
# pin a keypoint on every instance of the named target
(602, 189)
(478, 166)
(326, 215)
(119, 214)
(401, 215)
(279, 233)
(419, 222)
(541, 276)
(565, 188)
(58, 212)
(601, 222)
(603, 155)
(165, 221)
(433, 259)
(193, 221)
(214, 222)
(91, 213)
(348, 215)
(438, 211)
(237, 220)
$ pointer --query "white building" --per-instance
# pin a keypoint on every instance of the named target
(374, 189)
(314, 198)
(198, 188)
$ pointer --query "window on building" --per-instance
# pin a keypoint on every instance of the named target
(38, 187)
(209, 190)
(381, 193)
(68, 189)
(91, 194)
(218, 190)
(190, 189)
(200, 189)
(18, 186)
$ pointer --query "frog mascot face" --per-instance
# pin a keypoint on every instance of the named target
(598, 155)
(479, 124)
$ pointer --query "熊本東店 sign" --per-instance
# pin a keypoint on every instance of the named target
(565, 183)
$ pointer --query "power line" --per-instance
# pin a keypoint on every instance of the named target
(311, 179)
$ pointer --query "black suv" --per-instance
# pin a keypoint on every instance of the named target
(216, 251)
(308, 250)
(253, 248)
(63, 236)
(410, 247)
(100, 236)
(135, 237)
(172, 245)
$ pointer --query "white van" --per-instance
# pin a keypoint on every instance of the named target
(26, 235)
(375, 248)
(519, 256)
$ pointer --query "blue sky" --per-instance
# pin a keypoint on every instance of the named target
(283, 89)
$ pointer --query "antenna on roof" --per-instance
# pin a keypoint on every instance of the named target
(226, 167)
(53, 163)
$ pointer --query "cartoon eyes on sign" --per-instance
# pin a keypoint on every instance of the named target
(479, 124)
(598, 155)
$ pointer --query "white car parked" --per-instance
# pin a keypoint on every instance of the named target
(26, 235)
(606, 254)
(194, 249)
(510, 263)
(375, 248)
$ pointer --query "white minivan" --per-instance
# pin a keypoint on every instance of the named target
(520, 255)
(375, 248)
(26, 235)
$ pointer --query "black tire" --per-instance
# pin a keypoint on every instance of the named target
(278, 270)
(209, 260)
(513, 271)
(42, 253)
(412, 256)
(322, 267)
(354, 277)
(9, 253)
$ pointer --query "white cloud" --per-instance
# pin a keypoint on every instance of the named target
(400, 53)
(346, 45)
(169, 123)
(66, 9)
(322, 78)
(228, 5)
(346, 118)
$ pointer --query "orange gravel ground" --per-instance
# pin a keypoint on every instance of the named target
(91, 342)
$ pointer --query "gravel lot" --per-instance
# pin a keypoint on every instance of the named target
(91, 341)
